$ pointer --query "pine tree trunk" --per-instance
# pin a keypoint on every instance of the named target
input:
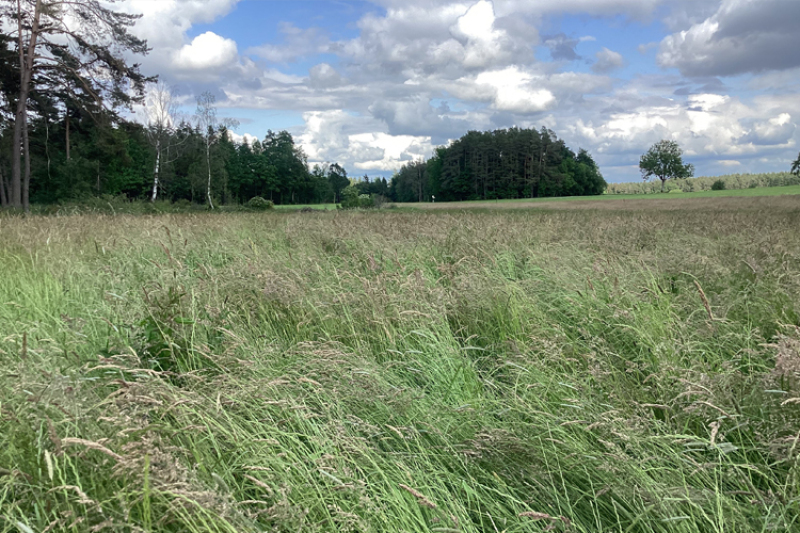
(26, 183)
(16, 155)
(20, 119)
(3, 192)
(663, 184)
(66, 120)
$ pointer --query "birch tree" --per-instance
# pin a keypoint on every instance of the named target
(160, 111)
(79, 39)
(207, 122)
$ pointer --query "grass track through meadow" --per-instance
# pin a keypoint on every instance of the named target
(581, 370)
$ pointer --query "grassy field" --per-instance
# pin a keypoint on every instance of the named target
(321, 207)
(621, 199)
(572, 370)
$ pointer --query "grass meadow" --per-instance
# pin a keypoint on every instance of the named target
(615, 201)
(571, 369)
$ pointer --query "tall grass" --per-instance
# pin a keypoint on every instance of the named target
(582, 371)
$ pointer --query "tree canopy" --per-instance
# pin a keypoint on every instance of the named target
(664, 160)
(512, 163)
(70, 55)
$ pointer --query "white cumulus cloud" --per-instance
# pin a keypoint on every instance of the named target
(513, 91)
(207, 51)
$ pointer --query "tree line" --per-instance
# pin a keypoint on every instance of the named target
(500, 164)
(64, 89)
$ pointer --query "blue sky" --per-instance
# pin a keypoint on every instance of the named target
(374, 84)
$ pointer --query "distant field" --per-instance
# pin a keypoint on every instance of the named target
(585, 201)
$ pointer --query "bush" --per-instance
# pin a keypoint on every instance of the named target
(365, 201)
(350, 198)
(718, 185)
(259, 204)
(183, 203)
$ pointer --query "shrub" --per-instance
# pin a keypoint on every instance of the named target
(718, 185)
(379, 201)
(365, 201)
(183, 203)
(350, 198)
(259, 204)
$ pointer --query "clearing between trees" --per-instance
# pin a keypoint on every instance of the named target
(576, 370)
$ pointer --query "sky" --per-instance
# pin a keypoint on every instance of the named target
(375, 84)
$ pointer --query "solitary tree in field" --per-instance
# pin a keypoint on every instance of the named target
(796, 166)
(664, 160)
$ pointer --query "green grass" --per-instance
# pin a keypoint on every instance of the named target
(516, 371)
(526, 202)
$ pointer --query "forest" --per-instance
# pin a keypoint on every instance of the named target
(501, 164)
(77, 153)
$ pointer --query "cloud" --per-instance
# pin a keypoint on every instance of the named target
(419, 73)
(562, 48)
(607, 61)
(175, 58)
(358, 142)
(743, 36)
(710, 128)
(297, 43)
(514, 92)
(324, 76)
(632, 8)
(207, 51)
(245, 138)
(777, 130)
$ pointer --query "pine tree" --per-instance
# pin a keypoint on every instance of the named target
(83, 43)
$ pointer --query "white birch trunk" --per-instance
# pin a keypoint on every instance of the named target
(157, 171)
(208, 159)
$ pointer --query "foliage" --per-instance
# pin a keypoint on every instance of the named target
(718, 185)
(732, 182)
(350, 198)
(337, 178)
(513, 163)
(796, 166)
(366, 201)
(259, 204)
(664, 160)
(72, 56)
(571, 370)
(119, 159)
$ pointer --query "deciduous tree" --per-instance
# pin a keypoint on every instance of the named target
(664, 160)
(207, 122)
(160, 111)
